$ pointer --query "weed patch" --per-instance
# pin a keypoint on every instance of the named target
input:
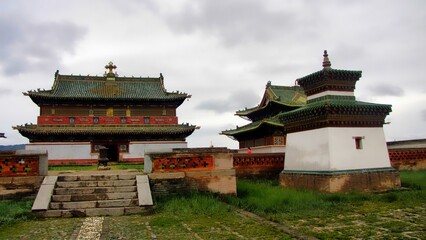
(12, 211)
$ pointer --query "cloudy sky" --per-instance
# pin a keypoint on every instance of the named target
(222, 52)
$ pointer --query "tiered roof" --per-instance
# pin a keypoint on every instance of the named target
(138, 90)
(276, 99)
(333, 110)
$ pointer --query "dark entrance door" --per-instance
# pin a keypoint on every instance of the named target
(112, 152)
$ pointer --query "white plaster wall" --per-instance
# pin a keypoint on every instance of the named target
(335, 93)
(264, 149)
(308, 150)
(64, 151)
(344, 155)
(329, 149)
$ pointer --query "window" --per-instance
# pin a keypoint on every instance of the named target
(96, 120)
(72, 120)
(146, 120)
(358, 142)
(123, 120)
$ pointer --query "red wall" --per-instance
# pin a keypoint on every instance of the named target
(65, 120)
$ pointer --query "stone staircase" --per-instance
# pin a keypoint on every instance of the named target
(93, 195)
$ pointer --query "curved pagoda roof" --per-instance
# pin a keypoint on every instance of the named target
(329, 79)
(272, 122)
(106, 132)
(275, 99)
(108, 88)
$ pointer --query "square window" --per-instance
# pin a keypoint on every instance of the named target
(358, 142)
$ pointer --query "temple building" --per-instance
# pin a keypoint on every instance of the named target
(265, 133)
(128, 115)
(334, 142)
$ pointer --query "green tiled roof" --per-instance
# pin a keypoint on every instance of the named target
(94, 87)
(274, 121)
(282, 95)
(337, 74)
(106, 129)
(348, 106)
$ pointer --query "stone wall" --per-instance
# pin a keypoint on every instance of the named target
(21, 172)
(371, 180)
(203, 169)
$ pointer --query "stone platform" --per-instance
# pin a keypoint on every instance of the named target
(371, 180)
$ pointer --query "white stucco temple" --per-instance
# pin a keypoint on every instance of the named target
(334, 142)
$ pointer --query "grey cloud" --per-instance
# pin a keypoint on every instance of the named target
(243, 21)
(5, 91)
(387, 90)
(28, 45)
(234, 102)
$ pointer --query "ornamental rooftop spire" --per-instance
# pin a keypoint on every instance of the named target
(326, 64)
(111, 66)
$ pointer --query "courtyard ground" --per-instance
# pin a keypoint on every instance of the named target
(393, 215)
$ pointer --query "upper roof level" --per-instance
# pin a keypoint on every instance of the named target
(275, 99)
(107, 88)
(329, 81)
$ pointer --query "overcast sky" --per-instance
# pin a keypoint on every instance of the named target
(222, 52)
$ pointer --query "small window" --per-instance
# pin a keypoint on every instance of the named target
(72, 120)
(358, 142)
(123, 120)
(146, 120)
(96, 120)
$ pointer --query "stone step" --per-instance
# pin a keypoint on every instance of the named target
(79, 184)
(90, 190)
(94, 197)
(96, 177)
(94, 204)
(88, 212)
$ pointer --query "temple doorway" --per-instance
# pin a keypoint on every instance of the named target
(112, 152)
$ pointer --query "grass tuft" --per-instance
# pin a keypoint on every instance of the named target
(12, 211)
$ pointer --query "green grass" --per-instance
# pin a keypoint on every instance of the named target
(12, 212)
(120, 166)
(340, 215)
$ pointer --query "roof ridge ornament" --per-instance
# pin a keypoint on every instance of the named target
(326, 64)
(111, 75)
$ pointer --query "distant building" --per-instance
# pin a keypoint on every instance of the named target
(128, 115)
(266, 133)
(334, 142)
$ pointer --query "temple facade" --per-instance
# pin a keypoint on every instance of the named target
(265, 133)
(334, 142)
(128, 115)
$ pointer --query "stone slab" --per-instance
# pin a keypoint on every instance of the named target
(105, 211)
(144, 191)
(170, 175)
(44, 194)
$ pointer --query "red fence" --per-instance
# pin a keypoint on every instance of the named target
(408, 159)
(12, 166)
(258, 165)
(181, 163)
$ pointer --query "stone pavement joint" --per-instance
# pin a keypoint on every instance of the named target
(278, 226)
